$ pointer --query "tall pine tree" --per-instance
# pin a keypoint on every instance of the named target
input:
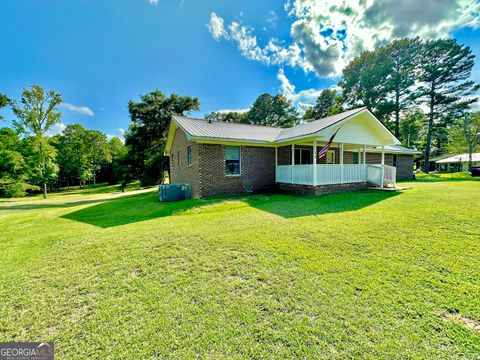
(402, 59)
(444, 86)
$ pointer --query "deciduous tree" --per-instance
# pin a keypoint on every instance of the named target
(328, 103)
(411, 126)
(147, 133)
(9, 139)
(97, 151)
(230, 116)
(464, 135)
(269, 110)
(36, 115)
(364, 83)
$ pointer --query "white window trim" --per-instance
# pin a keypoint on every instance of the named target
(301, 150)
(239, 161)
(191, 156)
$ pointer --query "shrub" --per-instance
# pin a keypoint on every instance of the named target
(10, 189)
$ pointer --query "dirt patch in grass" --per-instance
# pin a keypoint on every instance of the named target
(470, 323)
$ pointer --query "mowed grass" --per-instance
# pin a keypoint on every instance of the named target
(355, 275)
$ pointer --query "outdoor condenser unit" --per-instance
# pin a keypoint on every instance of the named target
(174, 192)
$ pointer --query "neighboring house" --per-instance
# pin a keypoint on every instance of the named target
(218, 158)
(432, 162)
(454, 163)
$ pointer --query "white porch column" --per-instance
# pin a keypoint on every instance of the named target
(359, 156)
(383, 165)
(315, 162)
(293, 163)
(341, 163)
(276, 162)
(364, 160)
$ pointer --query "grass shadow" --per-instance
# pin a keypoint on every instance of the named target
(59, 205)
(142, 207)
(129, 209)
(292, 206)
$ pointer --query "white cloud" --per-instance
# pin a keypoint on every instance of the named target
(325, 35)
(216, 27)
(274, 53)
(241, 111)
(272, 19)
(56, 129)
(119, 133)
(153, 2)
(84, 110)
(247, 43)
(303, 99)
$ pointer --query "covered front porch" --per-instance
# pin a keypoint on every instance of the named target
(345, 165)
(298, 164)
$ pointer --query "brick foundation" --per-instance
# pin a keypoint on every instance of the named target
(321, 189)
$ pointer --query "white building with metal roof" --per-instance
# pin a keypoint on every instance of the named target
(458, 162)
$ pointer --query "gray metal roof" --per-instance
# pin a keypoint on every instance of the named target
(316, 125)
(223, 130)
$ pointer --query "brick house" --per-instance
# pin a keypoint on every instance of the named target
(218, 158)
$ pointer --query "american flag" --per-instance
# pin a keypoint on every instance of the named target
(324, 149)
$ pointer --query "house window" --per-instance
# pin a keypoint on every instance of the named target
(232, 160)
(330, 157)
(178, 158)
(303, 156)
(189, 156)
(173, 159)
(355, 158)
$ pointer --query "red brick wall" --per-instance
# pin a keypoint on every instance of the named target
(183, 173)
(257, 170)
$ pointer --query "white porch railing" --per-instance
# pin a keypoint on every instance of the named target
(390, 175)
(335, 174)
(374, 174)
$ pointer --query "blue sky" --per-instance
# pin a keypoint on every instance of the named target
(100, 54)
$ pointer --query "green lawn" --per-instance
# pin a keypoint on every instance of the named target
(366, 274)
(90, 189)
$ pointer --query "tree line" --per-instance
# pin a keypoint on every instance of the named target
(31, 160)
(421, 90)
